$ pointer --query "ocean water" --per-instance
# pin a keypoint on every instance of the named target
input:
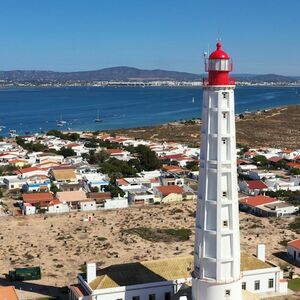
(38, 109)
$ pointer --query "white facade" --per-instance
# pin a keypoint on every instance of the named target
(116, 203)
(58, 208)
(217, 244)
(87, 205)
(294, 252)
(28, 209)
(260, 174)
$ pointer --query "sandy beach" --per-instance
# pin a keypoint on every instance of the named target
(61, 244)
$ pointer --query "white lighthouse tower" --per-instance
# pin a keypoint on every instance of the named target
(216, 273)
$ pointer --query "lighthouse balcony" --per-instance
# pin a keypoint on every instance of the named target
(205, 82)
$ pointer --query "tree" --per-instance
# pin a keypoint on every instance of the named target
(54, 189)
(149, 160)
(97, 157)
(117, 168)
(192, 165)
(261, 160)
(114, 190)
(66, 152)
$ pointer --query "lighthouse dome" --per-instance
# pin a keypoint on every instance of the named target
(219, 53)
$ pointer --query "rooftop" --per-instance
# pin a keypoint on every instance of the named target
(159, 270)
(8, 293)
(295, 244)
(170, 189)
(256, 184)
(64, 174)
(37, 197)
(257, 200)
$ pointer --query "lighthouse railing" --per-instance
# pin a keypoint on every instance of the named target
(205, 81)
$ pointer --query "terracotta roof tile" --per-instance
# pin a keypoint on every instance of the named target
(295, 244)
(256, 185)
(257, 200)
(170, 189)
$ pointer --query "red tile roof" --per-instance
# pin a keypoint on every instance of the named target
(121, 181)
(170, 189)
(8, 293)
(100, 196)
(37, 197)
(256, 185)
(257, 200)
(27, 170)
(114, 151)
(295, 244)
(294, 165)
(172, 168)
(275, 159)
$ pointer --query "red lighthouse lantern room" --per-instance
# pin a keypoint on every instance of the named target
(218, 66)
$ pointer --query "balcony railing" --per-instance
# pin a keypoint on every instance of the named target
(205, 81)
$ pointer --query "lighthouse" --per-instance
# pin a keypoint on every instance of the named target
(216, 274)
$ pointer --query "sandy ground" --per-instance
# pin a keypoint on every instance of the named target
(61, 244)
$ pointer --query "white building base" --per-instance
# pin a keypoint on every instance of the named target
(213, 291)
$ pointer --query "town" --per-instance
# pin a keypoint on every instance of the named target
(88, 172)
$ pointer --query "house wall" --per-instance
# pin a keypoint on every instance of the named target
(116, 203)
(29, 210)
(172, 198)
(86, 206)
(263, 275)
(58, 208)
(294, 252)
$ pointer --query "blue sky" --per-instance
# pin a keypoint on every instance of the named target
(262, 36)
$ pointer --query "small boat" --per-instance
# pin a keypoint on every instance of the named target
(13, 133)
(193, 100)
(61, 123)
(98, 120)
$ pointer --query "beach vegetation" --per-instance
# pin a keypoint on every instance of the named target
(161, 234)
(295, 225)
(30, 146)
(72, 136)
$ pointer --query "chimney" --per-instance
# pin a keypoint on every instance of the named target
(261, 252)
(90, 272)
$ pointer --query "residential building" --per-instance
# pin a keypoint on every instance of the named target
(293, 250)
(267, 206)
(252, 187)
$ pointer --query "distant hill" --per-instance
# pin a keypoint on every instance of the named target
(264, 77)
(115, 73)
(124, 74)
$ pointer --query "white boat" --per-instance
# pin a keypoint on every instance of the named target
(13, 133)
(98, 120)
(193, 100)
(61, 123)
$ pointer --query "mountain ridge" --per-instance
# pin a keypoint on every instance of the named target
(124, 73)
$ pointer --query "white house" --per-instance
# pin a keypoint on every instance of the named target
(260, 174)
(57, 207)
(87, 205)
(14, 182)
(293, 250)
(267, 206)
(164, 278)
(116, 203)
(28, 209)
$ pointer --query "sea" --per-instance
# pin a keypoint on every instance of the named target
(32, 110)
